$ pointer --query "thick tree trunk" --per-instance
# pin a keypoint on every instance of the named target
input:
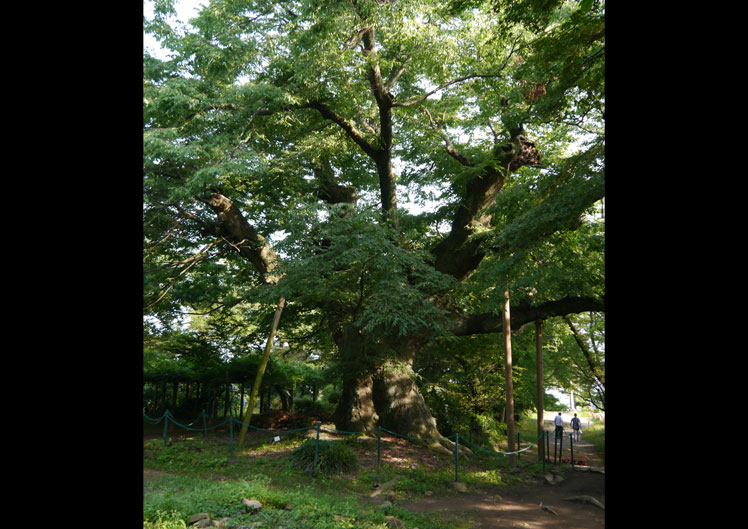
(400, 404)
(383, 395)
(355, 411)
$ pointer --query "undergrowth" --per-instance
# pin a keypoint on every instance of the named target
(205, 476)
(332, 457)
(170, 500)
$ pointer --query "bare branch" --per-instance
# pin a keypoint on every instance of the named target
(395, 75)
(441, 87)
(451, 149)
(346, 125)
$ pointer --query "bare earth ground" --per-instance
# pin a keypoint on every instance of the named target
(521, 505)
(518, 506)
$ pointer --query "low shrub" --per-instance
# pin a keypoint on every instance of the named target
(333, 457)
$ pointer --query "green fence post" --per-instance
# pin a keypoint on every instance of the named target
(205, 426)
(571, 447)
(166, 426)
(231, 437)
(543, 438)
(555, 448)
(561, 447)
(547, 454)
(379, 447)
(316, 449)
(518, 447)
(457, 454)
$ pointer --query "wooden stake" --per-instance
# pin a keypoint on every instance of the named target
(260, 372)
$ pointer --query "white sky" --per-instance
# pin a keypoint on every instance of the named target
(186, 9)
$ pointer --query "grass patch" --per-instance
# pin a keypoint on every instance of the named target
(595, 434)
(170, 500)
(204, 476)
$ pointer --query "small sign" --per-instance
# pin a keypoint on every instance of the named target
(277, 439)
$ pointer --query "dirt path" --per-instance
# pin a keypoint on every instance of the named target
(522, 505)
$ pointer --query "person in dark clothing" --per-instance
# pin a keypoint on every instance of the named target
(576, 426)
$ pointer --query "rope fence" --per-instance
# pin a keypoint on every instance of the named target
(542, 441)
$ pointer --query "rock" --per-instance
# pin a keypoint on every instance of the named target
(586, 499)
(459, 486)
(552, 479)
(385, 503)
(197, 517)
(548, 509)
(205, 522)
(381, 488)
(428, 493)
(251, 505)
(393, 523)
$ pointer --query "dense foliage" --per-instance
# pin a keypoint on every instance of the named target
(389, 167)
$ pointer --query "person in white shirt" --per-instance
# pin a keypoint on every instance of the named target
(559, 425)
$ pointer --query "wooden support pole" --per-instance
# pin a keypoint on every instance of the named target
(260, 372)
(509, 387)
(540, 388)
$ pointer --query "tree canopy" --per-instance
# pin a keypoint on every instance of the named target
(387, 166)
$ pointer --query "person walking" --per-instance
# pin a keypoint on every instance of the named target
(576, 426)
(559, 425)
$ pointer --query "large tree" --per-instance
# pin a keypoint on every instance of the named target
(282, 140)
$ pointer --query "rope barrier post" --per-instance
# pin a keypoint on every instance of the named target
(379, 447)
(571, 447)
(555, 448)
(518, 448)
(316, 450)
(541, 446)
(231, 437)
(457, 454)
(205, 425)
(166, 426)
(547, 447)
(561, 447)
(543, 439)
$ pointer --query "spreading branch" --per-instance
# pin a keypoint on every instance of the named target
(524, 313)
(248, 242)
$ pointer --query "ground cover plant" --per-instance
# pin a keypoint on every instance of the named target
(196, 475)
(193, 481)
